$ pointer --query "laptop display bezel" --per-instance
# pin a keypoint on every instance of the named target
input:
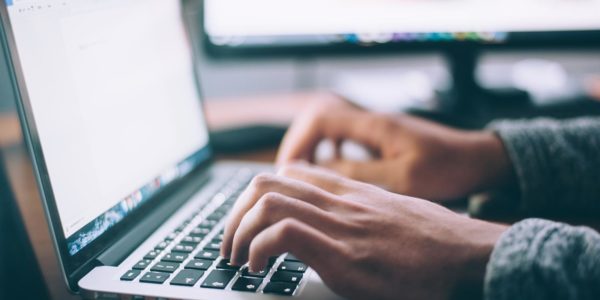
(73, 267)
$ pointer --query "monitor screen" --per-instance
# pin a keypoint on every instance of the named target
(114, 99)
(276, 23)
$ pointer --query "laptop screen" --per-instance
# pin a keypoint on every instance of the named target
(114, 99)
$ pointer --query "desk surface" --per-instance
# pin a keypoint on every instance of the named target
(223, 113)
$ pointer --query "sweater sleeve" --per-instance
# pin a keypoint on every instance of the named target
(557, 164)
(538, 259)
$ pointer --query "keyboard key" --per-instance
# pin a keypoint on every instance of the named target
(280, 288)
(216, 216)
(246, 284)
(290, 257)
(168, 267)
(208, 254)
(195, 240)
(209, 224)
(199, 264)
(285, 276)
(162, 245)
(224, 209)
(154, 277)
(292, 266)
(130, 275)
(225, 265)
(181, 227)
(172, 236)
(184, 248)
(213, 246)
(260, 274)
(175, 257)
(200, 232)
(187, 277)
(152, 254)
(272, 261)
(218, 279)
(142, 264)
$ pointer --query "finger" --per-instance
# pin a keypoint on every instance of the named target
(323, 178)
(305, 242)
(270, 209)
(301, 139)
(263, 184)
(374, 172)
(311, 127)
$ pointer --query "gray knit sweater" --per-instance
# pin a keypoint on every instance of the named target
(557, 165)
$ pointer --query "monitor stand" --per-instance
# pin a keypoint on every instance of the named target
(469, 105)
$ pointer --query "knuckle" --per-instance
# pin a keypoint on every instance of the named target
(407, 180)
(269, 203)
(288, 169)
(356, 256)
(320, 108)
(262, 181)
(385, 123)
(287, 228)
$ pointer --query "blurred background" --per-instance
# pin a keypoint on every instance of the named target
(223, 79)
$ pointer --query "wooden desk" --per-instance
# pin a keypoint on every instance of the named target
(223, 113)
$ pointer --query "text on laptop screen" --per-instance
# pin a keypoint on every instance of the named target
(115, 102)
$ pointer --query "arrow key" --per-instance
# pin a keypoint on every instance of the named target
(280, 288)
(246, 284)
(218, 279)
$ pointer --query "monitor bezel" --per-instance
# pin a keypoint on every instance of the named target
(74, 267)
(556, 40)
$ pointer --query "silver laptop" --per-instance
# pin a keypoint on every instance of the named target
(112, 115)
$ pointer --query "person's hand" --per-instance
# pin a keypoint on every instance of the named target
(364, 242)
(413, 156)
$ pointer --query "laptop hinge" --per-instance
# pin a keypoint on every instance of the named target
(119, 251)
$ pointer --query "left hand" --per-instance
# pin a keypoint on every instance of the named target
(363, 241)
(412, 156)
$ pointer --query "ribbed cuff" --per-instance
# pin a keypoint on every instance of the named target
(539, 259)
(522, 143)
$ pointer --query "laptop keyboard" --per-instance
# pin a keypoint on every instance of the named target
(189, 256)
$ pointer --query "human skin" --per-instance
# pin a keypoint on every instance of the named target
(412, 156)
(363, 241)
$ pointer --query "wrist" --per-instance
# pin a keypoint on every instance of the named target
(477, 251)
(492, 163)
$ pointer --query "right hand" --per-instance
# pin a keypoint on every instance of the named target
(414, 156)
(364, 242)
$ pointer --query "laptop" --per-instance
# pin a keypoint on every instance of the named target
(113, 119)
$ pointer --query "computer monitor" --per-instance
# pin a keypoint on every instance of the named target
(275, 26)
(458, 28)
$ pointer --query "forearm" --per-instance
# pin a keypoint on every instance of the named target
(537, 259)
(556, 164)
